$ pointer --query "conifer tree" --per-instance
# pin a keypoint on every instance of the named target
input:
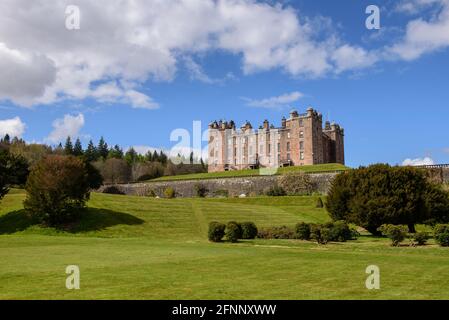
(78, 148)
(68, 147)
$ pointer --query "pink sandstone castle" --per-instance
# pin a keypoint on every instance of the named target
(300, 140)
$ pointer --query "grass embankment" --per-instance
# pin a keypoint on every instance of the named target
(142, 248)
(252, 173)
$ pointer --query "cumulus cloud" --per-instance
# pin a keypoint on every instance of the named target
(418, 162)
(69, 126)
(424, 36)
(122, 45)
(25, 74)
(414, 6)
(13, 127)
(275, 102)
(133, 42)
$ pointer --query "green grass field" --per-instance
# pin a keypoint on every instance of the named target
(251, 173)
(145, 248)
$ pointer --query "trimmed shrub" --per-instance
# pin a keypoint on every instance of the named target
(275, 191)
(169, 193)
(282, 232)
(339, 231)
(216, 231)
(319, 233)
(319, 203)
(441, 234)
(233, 231)
(420, 238)
(397, 234)
(113, 190)
(302, 231)
(296, 183)
(201, 190)
(57, 189)
(249, 230)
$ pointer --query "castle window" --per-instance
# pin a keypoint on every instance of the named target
(288, 156)
(288, 146)
(301, 123)
(288, 135)
(301, 134)
(279, 147)
(279, 157)
(301, 145)
(301, 155)
(269, 149)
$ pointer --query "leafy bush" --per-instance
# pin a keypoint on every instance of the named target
(282, 232)
(216, 231)
(319, 233)
(233, 231)
(441, 234)
(319, 203)
(379, 194)
(420, 238)
(437, 204)
(113, 190)
(397, 234)
(296, 183)
(249, 230)
(151, 193)
(3, 173)
(275, 191)
(302, 231)
(339, 231)
(169, 193)
(201, 190)
(57, 189)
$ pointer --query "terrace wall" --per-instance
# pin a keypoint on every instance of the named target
(250, 186)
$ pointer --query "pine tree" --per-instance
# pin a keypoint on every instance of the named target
(68, 147)
(116, 152)
(155, 156)
(91, 153)
(163, 158)
(131, 156)
(149, 156)
(102, 149)
(191, 157)
(7, 139)
(78, 148)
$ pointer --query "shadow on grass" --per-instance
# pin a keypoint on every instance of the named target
(92, 220)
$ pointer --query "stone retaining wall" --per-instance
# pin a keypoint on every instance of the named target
(250, 186)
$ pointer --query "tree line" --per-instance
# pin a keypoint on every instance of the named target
(113, 163)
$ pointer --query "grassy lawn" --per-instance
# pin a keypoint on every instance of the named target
(143, 248)
(251, 173)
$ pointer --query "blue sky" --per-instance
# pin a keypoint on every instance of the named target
(388, 88)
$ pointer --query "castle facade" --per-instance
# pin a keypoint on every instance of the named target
(300, 140)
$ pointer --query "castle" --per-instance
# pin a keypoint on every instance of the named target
(300, 140)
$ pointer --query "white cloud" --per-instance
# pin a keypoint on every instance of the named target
(25, 74)
(348, 57)
(69, 126)
(14, 127)
(275, 102)
(130, 42)
(414, 6)
(423, 36)
(418, 162)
